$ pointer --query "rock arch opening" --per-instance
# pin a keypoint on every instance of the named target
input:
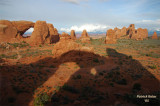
(28, 32)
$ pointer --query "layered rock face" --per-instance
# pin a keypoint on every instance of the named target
(65, 46)
(73, 35)
(85, 37)
(110, 37)
(154, 36)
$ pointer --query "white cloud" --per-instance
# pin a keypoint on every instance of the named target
(157, 21)
(88, 27)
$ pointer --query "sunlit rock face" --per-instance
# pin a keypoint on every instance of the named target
(110, 37)
(154, 36)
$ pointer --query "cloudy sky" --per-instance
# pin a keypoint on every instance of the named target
(93, 15)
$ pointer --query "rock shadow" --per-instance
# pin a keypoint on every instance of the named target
(99, 80)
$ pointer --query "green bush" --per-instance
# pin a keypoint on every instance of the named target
(96, 60)
(153, 67)
(41, 99)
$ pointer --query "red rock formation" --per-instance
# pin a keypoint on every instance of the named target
(131, 31)
(7, 31)
(120, 32)
(85, 37)
(68, 45)
(55, 37)
(110, 37)
(154, 36)
(65, 36)
(22, 26)
(123, 31)
(140, 34)
(40, 33)
(73, 35)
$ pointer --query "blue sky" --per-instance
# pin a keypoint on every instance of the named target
(93, 15)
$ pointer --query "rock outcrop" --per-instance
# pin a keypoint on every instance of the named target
(40, 33)
(22, 26)
(68, 45)
(53, 34)
(12, 31)
(55, 37)
(65, 36)
(138, 34)
(73, 35)
(8, 32)
(85, 37)
(154, 36)
(110, 37)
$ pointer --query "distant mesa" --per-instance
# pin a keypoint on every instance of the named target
(12, 31)
(154, 36)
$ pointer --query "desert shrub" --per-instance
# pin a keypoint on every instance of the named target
(111, 84)
(130, 57)
(21, 44)
(122, 82)
(70, 89)
(96, 60)
(153, 67)
(101, 73)
(12, 56)
(41, 99)
(136, 87)
(77, 77)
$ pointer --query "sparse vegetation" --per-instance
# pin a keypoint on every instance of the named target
(41, 99)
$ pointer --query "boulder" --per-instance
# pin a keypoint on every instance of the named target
(73, 35)
(154, 36)
(68, 45)
(110, 37)
(40, 33)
